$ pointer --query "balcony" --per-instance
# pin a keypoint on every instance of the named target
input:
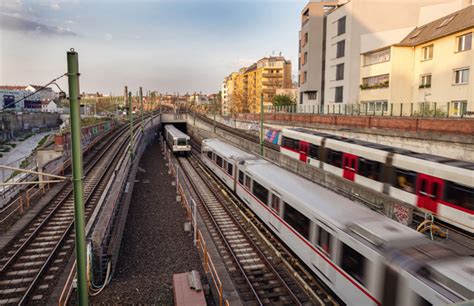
(374, 86)
(272, 75)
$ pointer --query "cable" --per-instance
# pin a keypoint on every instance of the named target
(36, 91)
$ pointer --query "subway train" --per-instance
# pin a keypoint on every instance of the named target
(178, 141)
(365, 258)
(439, 185)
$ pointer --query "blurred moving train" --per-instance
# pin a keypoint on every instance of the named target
(439, 185)
(177, 140)
(362, 256)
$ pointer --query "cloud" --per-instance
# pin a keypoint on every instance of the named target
(11, 6)
(19, 24)
(244, 62)
(108, 36)
(55, 6)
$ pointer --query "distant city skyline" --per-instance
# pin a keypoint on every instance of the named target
(170, 46)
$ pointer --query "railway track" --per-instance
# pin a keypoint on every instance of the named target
(31, 265)
(259, 275)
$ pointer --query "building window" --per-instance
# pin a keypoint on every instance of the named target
(312, 95)
(305, 77)
(464, 42)
(461, 76)
(341, 26)
(427, 53)
(446, 21)
(378, 81)
(339, 72)
(305, 58)
(296, 220)
(340, 48)
(338, 96)
(377, 57)
(377, 106)
(305, 38)
(353, 263)
(458, 108)
(425, 81)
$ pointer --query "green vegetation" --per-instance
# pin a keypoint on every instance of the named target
(283, 100)
(41, 142)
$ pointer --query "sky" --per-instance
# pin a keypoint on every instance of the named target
(169, 46)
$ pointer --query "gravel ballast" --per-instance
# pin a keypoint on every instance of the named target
(154, 245)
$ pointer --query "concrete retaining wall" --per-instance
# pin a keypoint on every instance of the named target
(12, 124)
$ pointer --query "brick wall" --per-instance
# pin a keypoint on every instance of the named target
(432, 125)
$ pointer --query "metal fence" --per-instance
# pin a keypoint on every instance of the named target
(421, 109)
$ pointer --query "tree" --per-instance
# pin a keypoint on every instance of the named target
(238, 103)
(283, 100)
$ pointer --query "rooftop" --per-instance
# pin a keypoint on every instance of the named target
(450, 24)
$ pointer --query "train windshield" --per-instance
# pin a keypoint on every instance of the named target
(182, 142)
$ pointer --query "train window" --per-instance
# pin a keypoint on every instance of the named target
(290, 143)
(247, 181)
(275, 204)
(405, 180)
(369, 168)
(260, 192)
(296, 220)
(230, 169)
(334, 158)
(422, 302)
(241, 177)
(390, 287)
(353, 263)
(219, 160)
(459, 195)
(182, 142)
(314, 151)
(209, 155)
(324, 240)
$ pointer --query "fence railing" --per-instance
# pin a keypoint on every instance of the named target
(421, 109)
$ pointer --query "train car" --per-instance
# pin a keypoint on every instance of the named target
(222, 159)
(178, 141)
(364, 257)
(442, 186)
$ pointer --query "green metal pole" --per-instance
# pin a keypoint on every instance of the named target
(261, 125)
(130, 109)
(75, 117)
(141, 108)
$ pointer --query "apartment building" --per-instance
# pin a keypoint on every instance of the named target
(432, 63)
(311, 57)
(245, 88)
(331, 43)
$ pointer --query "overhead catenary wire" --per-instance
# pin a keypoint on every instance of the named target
(36, 91)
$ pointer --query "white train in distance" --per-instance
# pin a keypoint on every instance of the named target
(435, 184)
(178, 141)
(365, 258)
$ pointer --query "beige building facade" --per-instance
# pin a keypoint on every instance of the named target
(431, 67)
(330, 64)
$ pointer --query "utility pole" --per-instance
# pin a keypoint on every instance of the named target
(261, 125)
(141, 107)
(130, 109)
(75, 118)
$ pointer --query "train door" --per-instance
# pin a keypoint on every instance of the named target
(304, 150)
(349, 166)
(428, 191)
